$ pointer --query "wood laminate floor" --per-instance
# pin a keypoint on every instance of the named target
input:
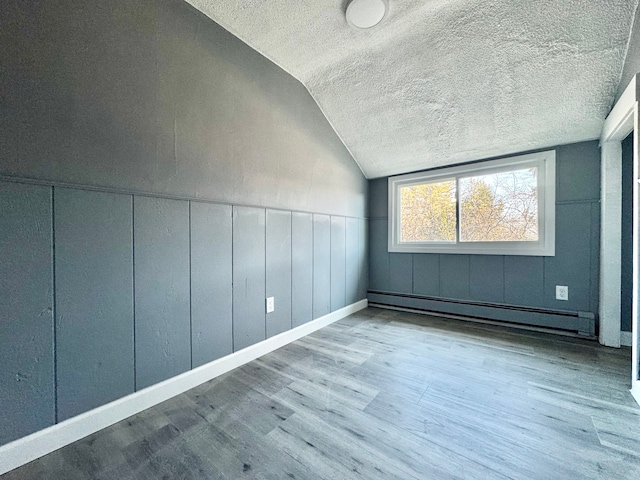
(384, 394)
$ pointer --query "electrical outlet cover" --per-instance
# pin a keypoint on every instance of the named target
(271, 304)
(562, 292)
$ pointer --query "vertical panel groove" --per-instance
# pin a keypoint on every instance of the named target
(412, 266)
(133, 273)
(330, 263)
(439, 274)
(233, 279)
(346, 287)
(291, 273)
(53, 305)
(504, 280)
(264, 300)
(313, 264)
(190, 296)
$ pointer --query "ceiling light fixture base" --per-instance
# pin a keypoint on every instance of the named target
(363, 14)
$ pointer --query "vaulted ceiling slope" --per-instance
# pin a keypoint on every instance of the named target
(441, 82)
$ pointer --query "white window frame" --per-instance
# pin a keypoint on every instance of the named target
(545, 246)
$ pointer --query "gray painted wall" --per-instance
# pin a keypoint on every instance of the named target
(338, 262)
(211, 282)
(513, 280)
(162, 286)
(249, 321)
(146, 288)
(626, 252)
(321, 265)
(278, 278)
(302, 268)
(27, 387)
(149, 124)
(152, 96)
(632, 62)
(94, 299)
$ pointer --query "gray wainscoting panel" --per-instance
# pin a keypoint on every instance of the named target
(481, 269)
(26, 311)
(301, 268)
(278, 271)
(338, 263)
(400, 272)
(454, 276)
(211, 282)
(524, 281)
(363, 258)
(94, 299)
(378, 255)
(248, 276)
(321, 265)
(161, 266)
(426, 274)
(352, 254)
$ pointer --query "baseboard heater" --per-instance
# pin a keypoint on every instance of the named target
(582, 323)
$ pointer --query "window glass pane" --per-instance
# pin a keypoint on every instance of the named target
(428, 212)
(499, 207)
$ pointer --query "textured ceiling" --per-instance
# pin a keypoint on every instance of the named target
(440, 82)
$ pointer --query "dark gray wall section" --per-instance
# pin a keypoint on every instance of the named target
(248, 276)
(109, 79)
(278, 270)
(626, 290)
(211, 282)
(338, 263)
(363, 258)
(482, 267)
(302, 268)
(426, 274)
(94, 299)
(400, 267)
(378, 198)
(26, 311)
(571, 265)
(321, 265)
(514, 280)
(524, 281)
(454, 276)
(352, 260)
(161, 266)
(378, 255)
(632, 62)
(577, 173)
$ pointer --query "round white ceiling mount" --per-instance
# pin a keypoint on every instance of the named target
(366, 13)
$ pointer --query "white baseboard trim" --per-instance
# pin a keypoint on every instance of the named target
(26, 449)
(626, 339)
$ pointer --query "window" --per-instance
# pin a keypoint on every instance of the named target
(499, 207)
